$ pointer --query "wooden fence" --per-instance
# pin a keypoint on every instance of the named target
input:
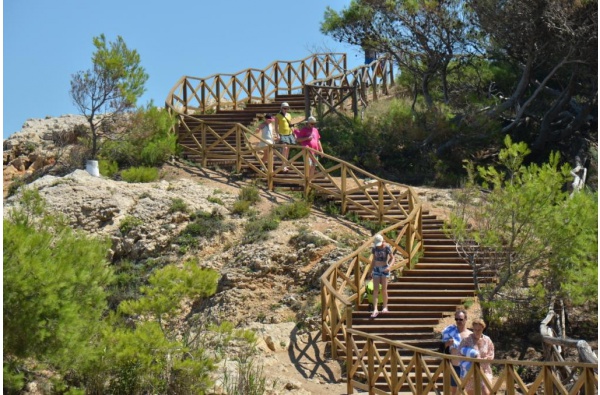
(394, 367)
(193, 95)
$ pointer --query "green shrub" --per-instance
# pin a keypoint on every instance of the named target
(214, 199)
(53, 290)
(140, 174)
(128, 223)
(249, 194)
(203, 225)
(108, 168)
(295, 210)
(178, 205)
(157, 152)
(241, 207)
(258, 229)
(148, 139)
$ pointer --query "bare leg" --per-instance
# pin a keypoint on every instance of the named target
(375, 293)
(384, 283)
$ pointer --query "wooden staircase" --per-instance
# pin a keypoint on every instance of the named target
(223, 121)
(418, 298)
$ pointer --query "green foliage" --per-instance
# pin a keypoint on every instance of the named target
(247, 197)
(140, 174)
(248, 378)
(54, 288)
(128, 223)
(178, 205)
(108, 168)
(116, 81)
(528, 232)
(294, 210)
(205, 225)
(257, 229)
(241, 207)
(216, 200)
(148, 140)
(397, 142)
(250, 194)
(168, 286)
(152, 356)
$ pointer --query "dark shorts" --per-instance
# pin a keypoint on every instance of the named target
(378, 271)
(287, 139)
(452, 382)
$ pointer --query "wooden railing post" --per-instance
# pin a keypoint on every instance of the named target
(324, 332)
(234, 89)
(307, 90)
(355, 100)
(380, 202)
(333, 316)
(289, 78)
(238, 149)
(203, 139)
(270, 176)
(372, 380)
(419, 372)
(305, 157)
(510, 379)
(218, 90)
(203, 96)
(349, 354)
(184, 94)
(344, 188)
(394, 369)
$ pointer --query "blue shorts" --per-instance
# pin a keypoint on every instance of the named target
(287, 139)
(378, 271)
(452, 382)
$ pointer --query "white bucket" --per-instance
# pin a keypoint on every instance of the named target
(91, 166)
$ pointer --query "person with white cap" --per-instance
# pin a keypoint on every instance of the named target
(309, 136)
(383, 258)
(284, 128)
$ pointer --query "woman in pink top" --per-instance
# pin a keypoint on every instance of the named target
(309, 137)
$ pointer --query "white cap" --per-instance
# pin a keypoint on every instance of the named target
(378, 240)
(285, 104)
(312, 119)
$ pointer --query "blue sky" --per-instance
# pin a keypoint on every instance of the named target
(45, 42)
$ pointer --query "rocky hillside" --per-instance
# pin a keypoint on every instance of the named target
(271, 286)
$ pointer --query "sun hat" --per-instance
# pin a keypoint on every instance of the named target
(312, 119)
(285, 104)
(378, 240)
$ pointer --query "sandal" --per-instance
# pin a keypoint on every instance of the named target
(385, 310)
(374, 314)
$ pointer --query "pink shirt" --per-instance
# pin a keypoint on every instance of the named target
(308, 131)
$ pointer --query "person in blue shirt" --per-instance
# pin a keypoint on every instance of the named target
(452, 335)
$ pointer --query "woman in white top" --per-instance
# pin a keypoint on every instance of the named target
(267, 134)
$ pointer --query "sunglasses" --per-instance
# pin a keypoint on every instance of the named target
(459, 319)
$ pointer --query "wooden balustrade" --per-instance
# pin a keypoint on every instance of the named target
(348, 90)
(395, 367)
(193, 95)
(343, 283)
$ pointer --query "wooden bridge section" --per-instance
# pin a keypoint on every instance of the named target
(395, 352)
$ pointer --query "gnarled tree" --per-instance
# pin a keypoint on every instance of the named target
(110, 88)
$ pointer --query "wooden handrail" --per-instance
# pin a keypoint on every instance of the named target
(343, 283)
(413, 372)
(193, 95)
(353, 86)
